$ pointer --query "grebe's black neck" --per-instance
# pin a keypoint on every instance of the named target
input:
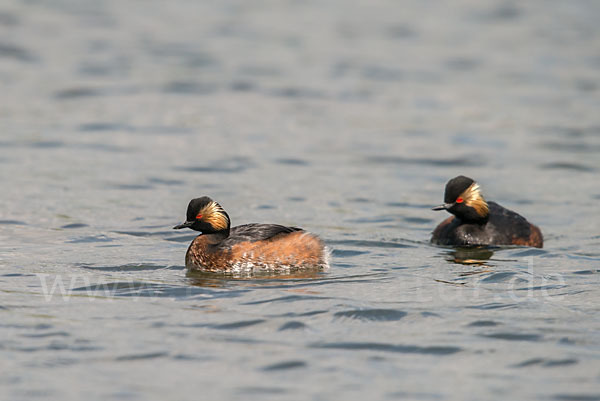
(468, 215)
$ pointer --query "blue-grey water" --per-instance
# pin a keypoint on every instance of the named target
(342, 117)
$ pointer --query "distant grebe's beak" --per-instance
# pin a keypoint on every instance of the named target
(186, 224)
(445, 206)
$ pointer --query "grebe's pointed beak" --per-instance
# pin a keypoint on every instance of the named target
(445, 206)
(186, 224)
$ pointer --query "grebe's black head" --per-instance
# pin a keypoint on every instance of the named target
(464, 200)
(207, 216)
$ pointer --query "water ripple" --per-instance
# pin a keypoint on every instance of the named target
(587, 271)
(190, 88)
(345, 253)
(250, 390)
(372, 314)
(149, 233)
(13, 222)
(286, 365)
(128, 267)
(292, 162)
(238, 325)
(85, 92)
(568, 166)
(231, 165)
(150, 290)
(178, 238)
(90, 239)
(74, 225)
(483, 323)
(548, 363)
(493, 305)
(136, 357)
(370, 244)
(466, 161)
(300, 314)
(48, 334)
(288, 298)
(514, 336)
(405, 349)
(498, 277)
(577, 397)
(292, 325)
(11, 51)
(529, 252)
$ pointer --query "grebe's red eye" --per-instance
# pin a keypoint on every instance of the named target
(459, 200)
(198, 217)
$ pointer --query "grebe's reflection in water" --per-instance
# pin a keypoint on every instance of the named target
(470, 256)
(252, 278)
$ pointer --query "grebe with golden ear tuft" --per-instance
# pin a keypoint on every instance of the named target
(220, 248)
(478, 222)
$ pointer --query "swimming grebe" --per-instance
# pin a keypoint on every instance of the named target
(477, 222)
(220, 248)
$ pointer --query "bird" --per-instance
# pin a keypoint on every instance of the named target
(476, 222)
(248, 247)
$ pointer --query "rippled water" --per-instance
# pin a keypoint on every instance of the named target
(345, 118)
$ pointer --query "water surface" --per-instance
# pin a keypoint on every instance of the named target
(344, 118)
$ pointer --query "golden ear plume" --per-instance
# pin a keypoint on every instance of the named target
(474, 199)
(215, 215)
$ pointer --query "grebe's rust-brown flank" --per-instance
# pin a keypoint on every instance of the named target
(250, 246)
(478, 222)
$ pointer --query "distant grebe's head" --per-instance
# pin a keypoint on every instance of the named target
(206, 215)
(463, 199)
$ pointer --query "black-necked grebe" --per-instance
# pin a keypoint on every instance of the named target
(477, 222)
(249, 246)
